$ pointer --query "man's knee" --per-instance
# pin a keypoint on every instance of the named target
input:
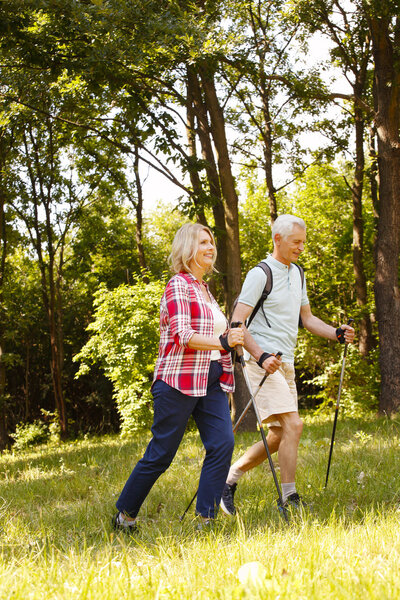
(292, 424)
(275, 434)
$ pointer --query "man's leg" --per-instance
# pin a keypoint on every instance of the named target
(256, 454)
(292, 426)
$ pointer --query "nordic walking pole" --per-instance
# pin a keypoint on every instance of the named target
(337, 406)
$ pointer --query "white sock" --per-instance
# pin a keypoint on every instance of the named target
(287, 490)
(124, 522)
(234, 475)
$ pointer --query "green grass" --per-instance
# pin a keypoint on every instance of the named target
(56, 540)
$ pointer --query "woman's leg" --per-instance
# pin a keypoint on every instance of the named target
(215, 426)
(172, 410)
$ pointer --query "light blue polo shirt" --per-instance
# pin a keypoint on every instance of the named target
(282, 307)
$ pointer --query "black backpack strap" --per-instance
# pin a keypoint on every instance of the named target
(265, 293)
(301, 270)
(301, 273)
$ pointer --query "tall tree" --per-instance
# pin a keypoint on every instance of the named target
(384, 22)
(5, 146)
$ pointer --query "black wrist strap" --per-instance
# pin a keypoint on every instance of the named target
(263, 357)
(224, 343)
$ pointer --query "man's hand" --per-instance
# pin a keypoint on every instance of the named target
(345, 334)
(272, 364)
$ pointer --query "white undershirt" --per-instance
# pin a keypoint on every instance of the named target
(219, 328)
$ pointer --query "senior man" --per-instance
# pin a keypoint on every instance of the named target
(274, 328)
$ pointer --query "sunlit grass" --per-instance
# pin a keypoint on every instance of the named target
(56, 539)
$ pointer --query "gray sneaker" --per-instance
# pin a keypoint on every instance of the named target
(227, 505)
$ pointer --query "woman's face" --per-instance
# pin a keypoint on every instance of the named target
(204, 257)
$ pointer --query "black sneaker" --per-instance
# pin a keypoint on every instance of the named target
(294, 502)
(122, 525)
(227, 504)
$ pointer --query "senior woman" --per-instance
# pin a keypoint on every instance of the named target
(193, 372)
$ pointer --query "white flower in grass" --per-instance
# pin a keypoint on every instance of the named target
(360, 478)
(252, 573)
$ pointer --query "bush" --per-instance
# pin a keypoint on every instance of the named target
(30, 434)
(124, 343)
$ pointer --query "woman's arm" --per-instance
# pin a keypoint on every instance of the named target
(179, 313)
(203, 342)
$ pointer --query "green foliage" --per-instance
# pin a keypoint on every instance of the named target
(255, 229)
(30, 434)
(323, 199)
(39, 431)
(124, 342)
(160, 225)
(361, 380)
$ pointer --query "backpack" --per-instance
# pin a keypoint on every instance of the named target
(267, 290)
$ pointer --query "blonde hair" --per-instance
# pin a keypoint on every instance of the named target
(185, 246)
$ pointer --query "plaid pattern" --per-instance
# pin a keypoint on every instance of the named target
(183, 312)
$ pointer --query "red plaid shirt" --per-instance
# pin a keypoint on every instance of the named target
(183, 312)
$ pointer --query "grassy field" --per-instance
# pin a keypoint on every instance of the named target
(56, 540)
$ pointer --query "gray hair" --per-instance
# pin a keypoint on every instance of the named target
(185, 246)
(284, 225)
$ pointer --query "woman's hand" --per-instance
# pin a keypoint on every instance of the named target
(235, 337)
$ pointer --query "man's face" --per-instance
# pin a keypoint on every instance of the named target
(288, 250)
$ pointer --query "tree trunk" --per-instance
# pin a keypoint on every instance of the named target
(3, 374)
(241, 398)
(374, 174)
(139, 217)
(364, 326)
(229, 195)
(387, 295)
(56, 362)
(213, 182)
(267, 143)
(192, 152)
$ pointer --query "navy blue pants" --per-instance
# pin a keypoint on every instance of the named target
(172, 410)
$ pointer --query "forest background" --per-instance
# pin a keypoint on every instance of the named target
(221, 98)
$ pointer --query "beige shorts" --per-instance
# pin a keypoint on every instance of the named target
(277, 395)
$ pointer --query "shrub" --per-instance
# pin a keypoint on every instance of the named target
(124, 343)
(30, 434)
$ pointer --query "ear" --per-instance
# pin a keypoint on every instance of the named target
(278, 239)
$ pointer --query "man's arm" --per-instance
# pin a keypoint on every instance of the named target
(318, 327)
(241, 313)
